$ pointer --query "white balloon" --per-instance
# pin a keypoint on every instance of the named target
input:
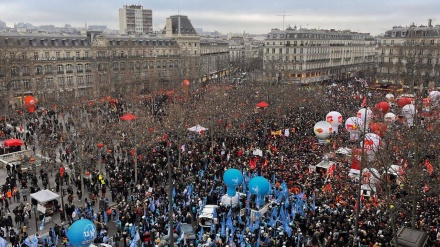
(322, 130)
(335, 119)
(361, 114)
(389, 97)
(390, 117)
(353, 124)
(372, 142)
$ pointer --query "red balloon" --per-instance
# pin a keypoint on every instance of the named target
(30, 101)
(426, 102)
(186, 82)
(404, 101)
(383, 107)
(379, 128)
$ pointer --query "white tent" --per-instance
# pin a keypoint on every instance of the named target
(44, 196)
(197, 128)
(344, 151)
(325, 164)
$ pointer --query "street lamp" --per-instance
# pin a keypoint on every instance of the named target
(36, 220)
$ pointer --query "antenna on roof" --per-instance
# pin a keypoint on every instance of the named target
(284, 16)
(178, 9)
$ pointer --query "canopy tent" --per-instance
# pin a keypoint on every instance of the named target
(13, 142)
(344, 151)
(325, 164)
(197, 129)
(44, 196)
(128, 117)
(262, 104)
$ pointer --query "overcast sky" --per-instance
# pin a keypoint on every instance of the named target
(251, 16)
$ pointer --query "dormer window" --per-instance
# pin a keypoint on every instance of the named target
(403, 34)
(393, 34)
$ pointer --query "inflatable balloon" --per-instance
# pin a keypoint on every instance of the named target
(408, 111)
(404, 101)
(434, 95)
(186, 82)
(354, 126)
(232, 178)
(81, 233)
(372, 142)
(390, 117)
(335, 120)
(389, 97)
(379, 128)
(322, 130)
(383, 107)
(361, 114)
(30, 102)
(259, 186)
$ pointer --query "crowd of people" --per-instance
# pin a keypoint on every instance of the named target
(307, 208)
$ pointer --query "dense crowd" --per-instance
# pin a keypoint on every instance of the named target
(316, 210)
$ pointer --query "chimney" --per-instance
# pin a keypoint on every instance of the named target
(429, 22)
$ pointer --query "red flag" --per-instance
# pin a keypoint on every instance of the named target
(331, 170)
(264, 164)
(164, 137)
(364, 102)
(355, 160)
(362, 197)
(132, 151)
(426, 188)
(253, 163)
(429, 167)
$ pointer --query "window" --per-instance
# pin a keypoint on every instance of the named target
(38, 70)
(122, 66)
(115, 66)
(26, 83)
(15, 85)
(25, 70)
(79, 68)
(61, 81)
(88, 67)
(391, 51)
(69, 80)
(432, 42)
(86, 54)
(60, 69)
(49, 82)
(57, 54)
(392, 42)
(77, 54)
(14, 71)
(68, 55)
(80, 80)
(88, 79)
(384, 42)
(36, 55)
(46, 55)
(48, 69)
(69, 68)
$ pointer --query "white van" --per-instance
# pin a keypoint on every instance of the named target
(206, 218)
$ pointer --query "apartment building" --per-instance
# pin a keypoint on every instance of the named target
(134, 19)
(313, 55)
(410, 55)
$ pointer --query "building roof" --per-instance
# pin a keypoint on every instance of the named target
(318, 34)
(16, 39)
(185, 25)
(413, 32)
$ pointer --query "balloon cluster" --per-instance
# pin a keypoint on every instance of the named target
(258, 185)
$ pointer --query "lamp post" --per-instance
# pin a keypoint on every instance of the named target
(36, 219)
(359, 185)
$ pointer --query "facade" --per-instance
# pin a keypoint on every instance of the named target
(214, 59)
(134, 19)
(312, 55)
(410, 55)
(57, 66)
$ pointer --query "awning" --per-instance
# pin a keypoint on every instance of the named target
(325, 164)
(44, 196)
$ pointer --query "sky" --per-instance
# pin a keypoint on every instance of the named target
(231, 16)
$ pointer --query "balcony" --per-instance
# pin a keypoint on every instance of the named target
(69, 71)
(60, 72)
(88, 70)
(80, 71)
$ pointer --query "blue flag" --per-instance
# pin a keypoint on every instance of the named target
(152, 206)
(174, 192)
(230, 225)
(201, 232)
(223, 227)
(132, 230)
(42, 223)
(313, 202)
(3, 242)
(105, 217)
